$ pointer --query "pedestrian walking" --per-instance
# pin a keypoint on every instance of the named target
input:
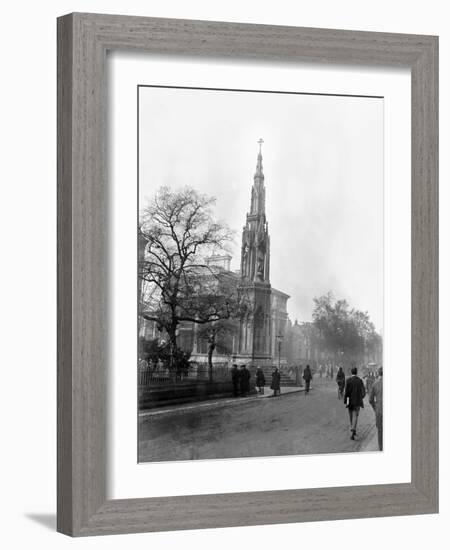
(299, 375)
(245, 380)
(340, 380)
(275, 385)
(353, 399)
(235, 379)
(370, 379)
(260, 380)
(298, 381)
(376, 400)
(307, 377)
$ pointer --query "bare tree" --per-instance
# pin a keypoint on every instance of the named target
(178, 286)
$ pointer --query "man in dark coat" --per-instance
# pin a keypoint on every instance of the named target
(275, 385)
(245, 381)
(235, 377)
(307, 377)
(260, 380)
(353, 398)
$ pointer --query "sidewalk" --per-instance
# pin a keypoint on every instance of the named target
(285, 390)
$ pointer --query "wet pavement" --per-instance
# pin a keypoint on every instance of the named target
(292, 424)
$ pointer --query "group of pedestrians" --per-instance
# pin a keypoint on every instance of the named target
(352, 390)
(327, 370)
(354, 394)
(240, 378)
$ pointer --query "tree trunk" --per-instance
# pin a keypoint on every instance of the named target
(171, 331)
(211, 348)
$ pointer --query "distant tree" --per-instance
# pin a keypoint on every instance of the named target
(344, 332)
(177, 284)
(374, 346)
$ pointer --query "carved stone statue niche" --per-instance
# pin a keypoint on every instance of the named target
(260, 264)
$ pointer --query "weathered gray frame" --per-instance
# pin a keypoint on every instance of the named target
(83, 40)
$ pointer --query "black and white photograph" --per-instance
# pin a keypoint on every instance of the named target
(260, 273)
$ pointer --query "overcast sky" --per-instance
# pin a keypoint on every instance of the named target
(323, 167)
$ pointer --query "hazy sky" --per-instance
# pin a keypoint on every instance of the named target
(323, 166)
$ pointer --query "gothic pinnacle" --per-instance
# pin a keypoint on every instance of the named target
(259, 168)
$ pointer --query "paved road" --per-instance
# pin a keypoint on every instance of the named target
(286, 425)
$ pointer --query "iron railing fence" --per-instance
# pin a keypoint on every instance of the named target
(151, 375)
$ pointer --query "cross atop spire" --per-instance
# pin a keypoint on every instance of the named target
(259, 169)
(260, 141)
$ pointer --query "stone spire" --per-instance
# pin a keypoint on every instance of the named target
(255, 336)
(255, 261)
(258, 203)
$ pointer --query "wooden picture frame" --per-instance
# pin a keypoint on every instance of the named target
(83, 40)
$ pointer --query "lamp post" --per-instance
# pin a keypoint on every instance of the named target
(279, 340)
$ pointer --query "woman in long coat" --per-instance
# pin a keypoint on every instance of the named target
(260, 380)
(275, 386)
(245, 380)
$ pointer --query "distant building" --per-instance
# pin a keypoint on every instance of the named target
(222, 262)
